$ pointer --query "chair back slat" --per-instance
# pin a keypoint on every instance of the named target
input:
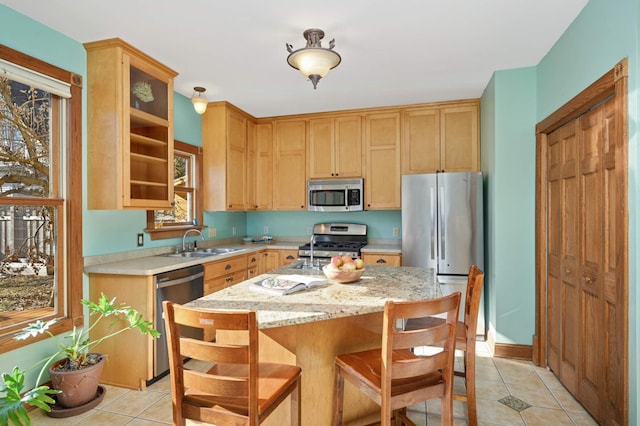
(206, 318)
(213, 352)
(237, 387)
(417, 366)
(423, 337)
(218, 416)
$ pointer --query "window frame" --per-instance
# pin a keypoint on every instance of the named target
(175, 231)
(69, 263)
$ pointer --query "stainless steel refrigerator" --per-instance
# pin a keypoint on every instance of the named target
(442, 227)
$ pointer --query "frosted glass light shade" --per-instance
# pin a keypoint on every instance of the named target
(314, 61)
(199, 100)
(199, 104)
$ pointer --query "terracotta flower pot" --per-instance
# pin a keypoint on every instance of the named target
(77, 386)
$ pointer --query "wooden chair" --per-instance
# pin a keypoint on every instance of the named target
(465, 339)
(395, 378)
(237, 390)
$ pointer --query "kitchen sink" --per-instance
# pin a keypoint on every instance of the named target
(204, 252)
(218, 250)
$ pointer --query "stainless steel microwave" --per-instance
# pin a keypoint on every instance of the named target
(335, 195)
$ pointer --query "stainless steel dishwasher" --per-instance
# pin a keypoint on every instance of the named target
(180, 286)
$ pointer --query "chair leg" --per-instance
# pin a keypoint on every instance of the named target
(296, 418)
(446, 411)
(338, 398)
(470, 383)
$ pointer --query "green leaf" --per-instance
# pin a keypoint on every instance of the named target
(11, 404)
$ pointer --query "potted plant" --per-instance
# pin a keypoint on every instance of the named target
(74, 356)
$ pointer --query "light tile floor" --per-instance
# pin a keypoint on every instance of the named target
(546, 401)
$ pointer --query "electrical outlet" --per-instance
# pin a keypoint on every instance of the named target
(265, 230)
(309, 230)
(212, 232)
(396, 232)
(140, 240)
(233, 231)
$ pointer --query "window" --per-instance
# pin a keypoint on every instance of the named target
(40, 211)
(187, 172)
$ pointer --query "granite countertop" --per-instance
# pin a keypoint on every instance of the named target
(368, 295)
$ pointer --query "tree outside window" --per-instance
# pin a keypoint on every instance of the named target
(37, 126)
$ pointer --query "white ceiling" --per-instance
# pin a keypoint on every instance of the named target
(393, 52)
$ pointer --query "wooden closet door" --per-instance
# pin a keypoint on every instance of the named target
(600, 387)
(585, 340)
(562, 254)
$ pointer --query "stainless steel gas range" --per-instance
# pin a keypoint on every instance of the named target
(333, 239)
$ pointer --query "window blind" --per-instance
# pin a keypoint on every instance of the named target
(35, 79)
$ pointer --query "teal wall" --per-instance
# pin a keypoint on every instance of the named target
(508, 160)
(26, 35)
(380, 224)
(604, 33)
(513, 102)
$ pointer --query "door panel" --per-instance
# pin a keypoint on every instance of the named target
(586, 347)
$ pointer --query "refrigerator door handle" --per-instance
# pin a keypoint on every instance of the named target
(432, 205)
(442, 225)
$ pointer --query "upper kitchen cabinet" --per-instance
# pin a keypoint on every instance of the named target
(382, 161)
(441, 138)
(289, 170)
(130, 128)
(335, 147)
(224, 141)
(259, 166)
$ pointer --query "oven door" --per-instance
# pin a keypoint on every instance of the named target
(335, 196)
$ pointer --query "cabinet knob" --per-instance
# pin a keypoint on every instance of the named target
(229, 279)
(253, 259)
(289, 257)
(227, 267)
(381, 261)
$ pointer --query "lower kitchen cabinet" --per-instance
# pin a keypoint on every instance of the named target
(121, 368)
(254, 265)
(384, 259)
(224, 273)
(288, 256)
(270, 260)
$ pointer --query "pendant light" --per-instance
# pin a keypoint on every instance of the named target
(314, 61)
(199, 100)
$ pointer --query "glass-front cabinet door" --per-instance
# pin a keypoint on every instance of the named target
(130, 104)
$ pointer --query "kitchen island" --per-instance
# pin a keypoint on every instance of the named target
(309, 328)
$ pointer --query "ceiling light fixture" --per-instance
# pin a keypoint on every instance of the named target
(199, 100)
(313, 61)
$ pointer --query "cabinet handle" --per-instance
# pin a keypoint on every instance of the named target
(253, 259)
(227, 267)
(381, 261)
(290, 257)
(229, 279)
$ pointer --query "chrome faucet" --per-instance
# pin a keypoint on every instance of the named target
(185, 236)
(312, 242)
